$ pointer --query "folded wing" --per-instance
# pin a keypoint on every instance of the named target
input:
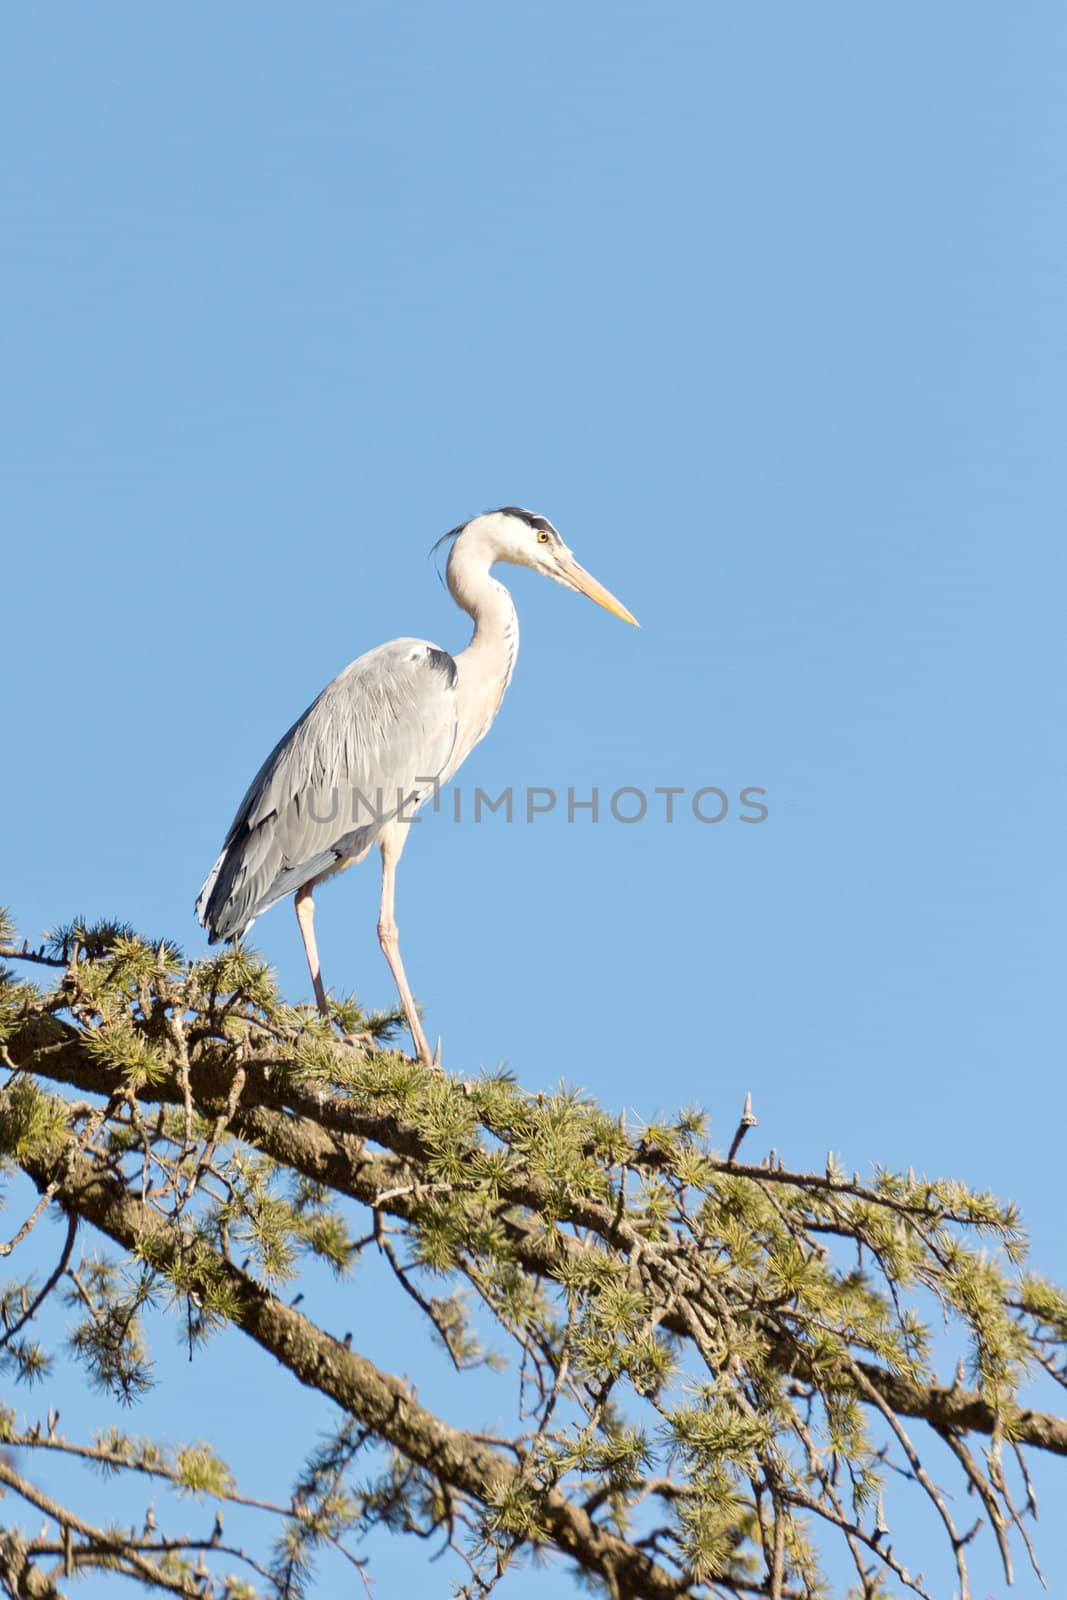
(378, 738)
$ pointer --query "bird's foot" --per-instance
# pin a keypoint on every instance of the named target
(422, 1053)
(360, 1041)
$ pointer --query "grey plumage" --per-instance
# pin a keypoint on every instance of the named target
(375, 744)
(374, 741)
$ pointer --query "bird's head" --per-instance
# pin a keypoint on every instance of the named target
(528, 540)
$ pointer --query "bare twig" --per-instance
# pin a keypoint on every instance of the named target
(748, 1120)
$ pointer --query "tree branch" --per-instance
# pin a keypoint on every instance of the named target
(379, 1401)
(324, 1134)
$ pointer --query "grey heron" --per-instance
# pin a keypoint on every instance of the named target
(378, 741)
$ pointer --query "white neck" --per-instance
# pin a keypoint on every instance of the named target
(481, 596)
(485, 667)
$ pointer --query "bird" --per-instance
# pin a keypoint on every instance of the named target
(379, 741)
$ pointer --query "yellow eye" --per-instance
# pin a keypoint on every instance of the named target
(542, 537)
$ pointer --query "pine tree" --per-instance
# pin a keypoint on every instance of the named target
(720, 1373)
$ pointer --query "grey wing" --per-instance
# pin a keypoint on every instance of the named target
(381, 733)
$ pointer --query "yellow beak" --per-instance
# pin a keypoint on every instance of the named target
(576, 577)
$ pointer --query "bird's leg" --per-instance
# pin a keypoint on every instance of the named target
(305, 916)
(389, 939)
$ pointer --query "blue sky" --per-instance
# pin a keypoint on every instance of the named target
(764, 308)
